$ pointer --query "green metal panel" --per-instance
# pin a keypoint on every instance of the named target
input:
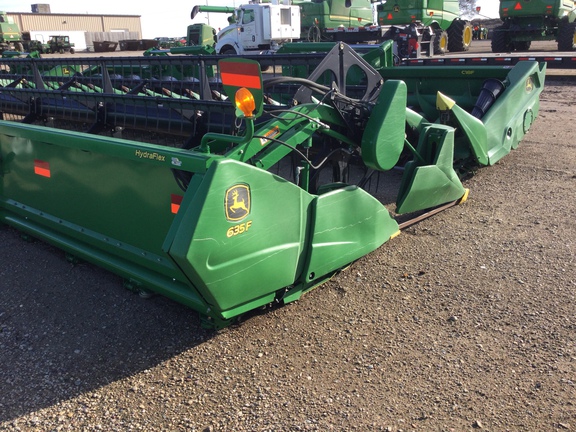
(476, 134)
(383, 137)
(107, 201)
(348, 223)
(512, 114)
(236, 260)
(535, 8)
(463, 84)
(431, 181)
(333, 13)
(426, 12)
(123, 191)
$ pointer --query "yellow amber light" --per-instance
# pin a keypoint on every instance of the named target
(245, 101)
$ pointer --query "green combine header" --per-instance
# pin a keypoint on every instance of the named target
(249, 189)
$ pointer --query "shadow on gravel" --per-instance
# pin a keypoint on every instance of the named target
(67, 329)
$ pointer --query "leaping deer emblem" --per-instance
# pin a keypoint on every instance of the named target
(237, 202)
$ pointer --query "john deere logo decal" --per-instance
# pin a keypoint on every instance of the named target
(529, 85)
(237, 202)
(396, 8)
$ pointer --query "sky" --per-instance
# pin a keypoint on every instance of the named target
(166, 18)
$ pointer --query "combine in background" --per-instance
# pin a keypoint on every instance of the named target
(10, 34)
(435, 23)
(535, 20)
(321, 18)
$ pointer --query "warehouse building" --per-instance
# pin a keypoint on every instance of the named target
(83, 30)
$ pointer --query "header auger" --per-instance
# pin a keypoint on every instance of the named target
(244, 204)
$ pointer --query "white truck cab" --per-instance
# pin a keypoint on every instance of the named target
(259, 28)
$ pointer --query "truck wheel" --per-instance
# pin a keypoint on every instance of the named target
(314, 34)
(500, 40)
(441, 41)
(72, 51)
(522, 45)
(567, 37)
(459, 36)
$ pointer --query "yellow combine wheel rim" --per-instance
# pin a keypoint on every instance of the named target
(443, 41)
(468, 36)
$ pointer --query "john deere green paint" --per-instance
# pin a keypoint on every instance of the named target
(220, 196)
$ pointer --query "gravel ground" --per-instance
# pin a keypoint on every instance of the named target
(465, 321)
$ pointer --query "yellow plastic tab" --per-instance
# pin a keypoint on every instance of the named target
(443, 102)
(396, 234)
(465, 196)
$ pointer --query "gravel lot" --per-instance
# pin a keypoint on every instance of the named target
(465, 321)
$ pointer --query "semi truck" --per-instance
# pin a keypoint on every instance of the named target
(434, 23)
(254, 27)
(525, 21)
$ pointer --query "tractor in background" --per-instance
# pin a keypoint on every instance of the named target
(60, 44)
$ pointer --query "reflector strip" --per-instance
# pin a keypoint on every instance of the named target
(176, 200)
(42, 168)
(240, 74)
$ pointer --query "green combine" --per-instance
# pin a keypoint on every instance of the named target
(217, 193)
(10, 35)
(437, 21)
(317, 16)
(525, 21)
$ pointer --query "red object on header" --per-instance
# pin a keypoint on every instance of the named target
(240, 75)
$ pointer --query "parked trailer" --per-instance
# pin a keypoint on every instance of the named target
(245, 204)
